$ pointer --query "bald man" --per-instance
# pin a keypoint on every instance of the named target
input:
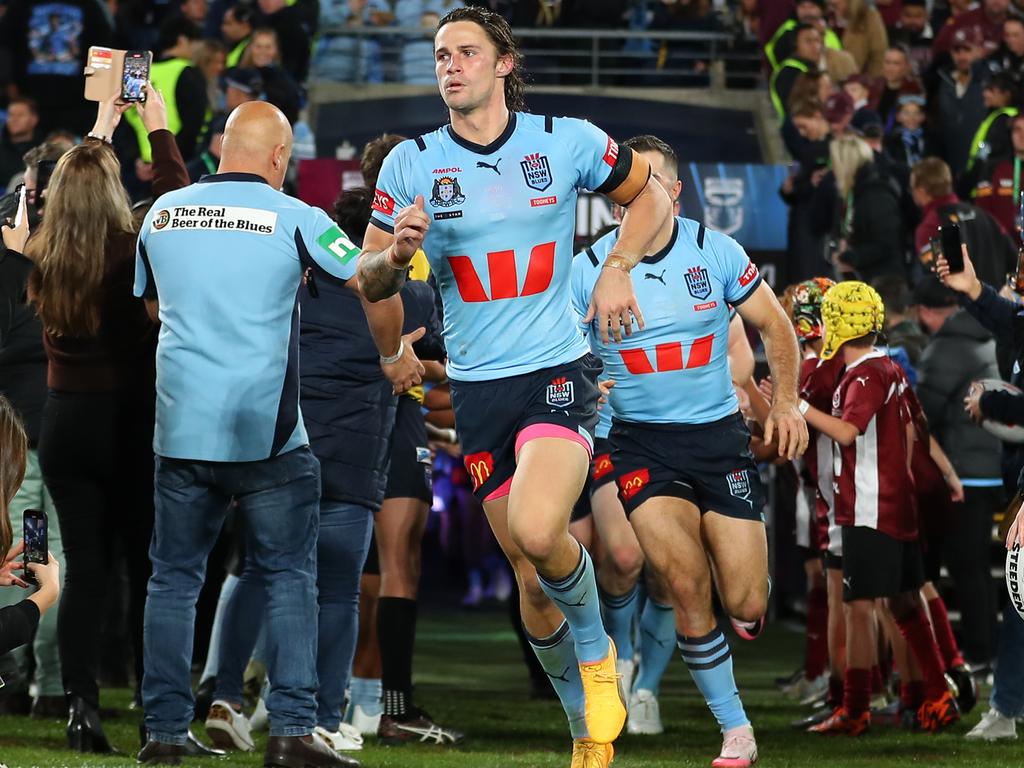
(221, 264)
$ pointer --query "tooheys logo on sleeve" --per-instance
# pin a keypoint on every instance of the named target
(338, 245)
(215, 218)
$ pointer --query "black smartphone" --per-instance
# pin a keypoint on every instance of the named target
(36, 541)
(136, 73)
(44, 170)
(952, 250)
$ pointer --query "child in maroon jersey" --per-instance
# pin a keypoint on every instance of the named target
(876, 507)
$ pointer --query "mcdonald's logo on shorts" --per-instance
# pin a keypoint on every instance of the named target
(602, 465)
(479, 466)
(631, 483)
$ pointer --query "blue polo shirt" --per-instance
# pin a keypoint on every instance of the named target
(225, 258)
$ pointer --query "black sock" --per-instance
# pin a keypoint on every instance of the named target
(396, 630)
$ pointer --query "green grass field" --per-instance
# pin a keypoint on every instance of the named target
(469, 674)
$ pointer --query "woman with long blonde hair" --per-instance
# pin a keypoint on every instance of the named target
(95, 442)
(871, 235)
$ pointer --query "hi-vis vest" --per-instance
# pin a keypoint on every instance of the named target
(831, 40)
(164, 76)
(978, 143)
(780, 108)
(234, 57)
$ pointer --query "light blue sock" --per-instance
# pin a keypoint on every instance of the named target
(619, 613)
(557, 655)
(657, 643)
(576, 597)
(366, 692)
(710, 661)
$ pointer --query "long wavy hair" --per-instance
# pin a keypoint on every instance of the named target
(86, 205)
(500, 33)
(13, 448)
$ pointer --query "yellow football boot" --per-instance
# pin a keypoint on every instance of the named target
(604, 709)
(590, 754)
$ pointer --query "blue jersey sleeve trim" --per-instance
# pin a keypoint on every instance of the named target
(736, 302)
(421, 143)
(382, 225)
(700, 236)
(591, 255)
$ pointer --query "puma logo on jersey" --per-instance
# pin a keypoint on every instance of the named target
(862, 380)
(660, 278)
(482, 164)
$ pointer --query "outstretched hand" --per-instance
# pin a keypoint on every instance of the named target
(614, 305)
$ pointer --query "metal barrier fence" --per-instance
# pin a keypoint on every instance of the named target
(553, 57)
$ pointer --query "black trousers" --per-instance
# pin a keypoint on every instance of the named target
(96, 456)
(968, 555)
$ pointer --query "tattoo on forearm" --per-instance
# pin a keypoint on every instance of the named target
(377, 278)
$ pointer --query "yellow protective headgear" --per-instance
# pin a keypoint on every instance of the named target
(850, 310)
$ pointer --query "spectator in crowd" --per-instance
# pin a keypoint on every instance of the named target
(838, 111)
(914, 33)
(97, 427)
(20, 134)
(958, 106)
(236, 29)
(294, 35)
(858, 88)
(346, 59)
(45, 43)
(782, 44)
(959, 352)
(19, 621)
(870, 227)
(1009, 57)
(208, 160)
(263, 49)
(241, 85)
(931, 184)
(23, 382)
(195, 11)
(901, 328)
(805, 58)
(805, 241)
(279, 88)
(985, 20)
(907, 143)
(182, 86)
(210, 58)
(864, 35)
(897, 80)
(998, 190)
(992, 139)
(417, 55)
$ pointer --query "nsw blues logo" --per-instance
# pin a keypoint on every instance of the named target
(560, 393)
(446, 192)
(536, 171)
(698, 283)
(739, 484)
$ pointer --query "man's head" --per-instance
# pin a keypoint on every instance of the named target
(935, 303)
(896, 66)
(1013, 35)
(477, 62)
(176, 36)
(257, 139)
(664, 164)
(857, 88)
(910, 112)
(237, 23)
(808, 44)
(373, 156)
(930, 179)
(195, 10)
(895, 295)
(838, 112)
(241, 85)
(810, 12)
(995, 10)
(999, 90)
(809, 121)
(914, 16)
(966, 49)
(22, 119)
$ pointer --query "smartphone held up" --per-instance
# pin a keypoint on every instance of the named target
(952, 246)
(36, 541)
(113, 73)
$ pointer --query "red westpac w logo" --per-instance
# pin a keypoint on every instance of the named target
(504, 279)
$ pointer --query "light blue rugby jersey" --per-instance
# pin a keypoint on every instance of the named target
(500, 243)
(225, 257)
(676, 370)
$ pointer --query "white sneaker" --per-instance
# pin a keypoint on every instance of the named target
(345, 739)
(624, 668)
(227, 728)
(259, 720)
(364, 723)
(644, 714)
(739, 750)
(809, 691)
(993, 727)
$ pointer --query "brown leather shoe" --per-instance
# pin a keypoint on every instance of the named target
(304, 752)
(155, 753)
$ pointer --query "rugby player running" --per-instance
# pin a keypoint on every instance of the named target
(491, 198)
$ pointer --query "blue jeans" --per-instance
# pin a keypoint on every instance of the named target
(342, 545)
(1008, 690)
(280, 500)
